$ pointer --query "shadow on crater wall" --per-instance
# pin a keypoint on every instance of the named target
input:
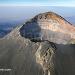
(31, 31)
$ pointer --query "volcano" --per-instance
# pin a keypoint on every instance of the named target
(41, 46)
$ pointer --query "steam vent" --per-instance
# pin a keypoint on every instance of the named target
(48, 26)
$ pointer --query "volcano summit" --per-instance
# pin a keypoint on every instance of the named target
(48, 26)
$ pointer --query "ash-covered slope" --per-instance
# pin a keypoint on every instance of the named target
(37, 47)
(48, 26)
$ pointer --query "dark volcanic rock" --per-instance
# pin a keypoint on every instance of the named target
(4, 32)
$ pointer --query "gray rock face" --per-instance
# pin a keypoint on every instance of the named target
(20, 57)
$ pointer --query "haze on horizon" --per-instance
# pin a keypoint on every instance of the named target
(19, 13)
(25, 9)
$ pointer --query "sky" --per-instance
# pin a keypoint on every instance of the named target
(38, 2)
(27, 12)
(25, 9)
